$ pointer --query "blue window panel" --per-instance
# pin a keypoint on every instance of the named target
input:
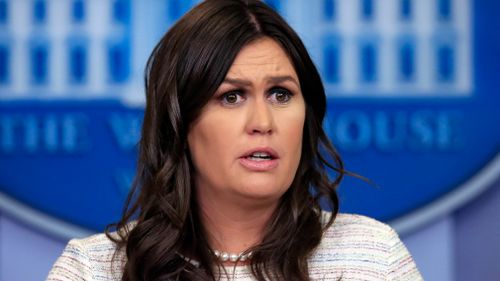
(78, 64)
(39, 64)
(118, 63)
(368, 63)
(367, 9)
(405, 9)
(4, 64)
(332, 63)
(39, 11)
(444, 10)
(445, 63)
(4, 11)
(121, 11)
(78, 10)
(329, 11)
(275, 4)
(407, 62)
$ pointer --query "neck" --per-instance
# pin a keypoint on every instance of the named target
(233, 226)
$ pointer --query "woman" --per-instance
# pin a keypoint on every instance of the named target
(230, 174)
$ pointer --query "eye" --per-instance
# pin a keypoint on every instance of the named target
(280, 95)
(232, 98)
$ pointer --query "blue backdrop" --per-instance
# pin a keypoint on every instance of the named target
(411, 87)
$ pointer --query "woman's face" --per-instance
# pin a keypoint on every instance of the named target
(246, 143)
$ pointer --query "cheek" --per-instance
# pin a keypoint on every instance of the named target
(292, 127)
(295, 137)
(209, 143)
(295, 128)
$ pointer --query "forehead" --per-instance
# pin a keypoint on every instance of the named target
(263, 56)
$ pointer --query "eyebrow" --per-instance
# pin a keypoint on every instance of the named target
(272, 80)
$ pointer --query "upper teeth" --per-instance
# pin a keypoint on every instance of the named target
(260, 154)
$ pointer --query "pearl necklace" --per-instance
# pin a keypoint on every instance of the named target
(225, 256)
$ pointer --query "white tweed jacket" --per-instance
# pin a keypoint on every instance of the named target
(353, 248)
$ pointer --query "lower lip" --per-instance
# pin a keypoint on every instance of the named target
(259, 166)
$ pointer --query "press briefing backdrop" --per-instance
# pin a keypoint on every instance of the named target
(412, 104)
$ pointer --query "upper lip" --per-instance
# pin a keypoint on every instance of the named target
(267, 150)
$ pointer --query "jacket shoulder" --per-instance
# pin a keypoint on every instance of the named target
(365, 249)
(92, 258)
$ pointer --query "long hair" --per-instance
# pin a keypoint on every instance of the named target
(183, 72)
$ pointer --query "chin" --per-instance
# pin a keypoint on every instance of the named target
(263, 192)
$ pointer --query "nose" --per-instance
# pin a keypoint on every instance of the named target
(260, 118)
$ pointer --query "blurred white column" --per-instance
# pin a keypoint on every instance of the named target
(432, 248)
(25, 254)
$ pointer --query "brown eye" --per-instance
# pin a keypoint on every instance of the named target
(280, 95)
(231, 98)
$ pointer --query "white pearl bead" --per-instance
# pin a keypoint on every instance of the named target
(225, 256)
(233, 257)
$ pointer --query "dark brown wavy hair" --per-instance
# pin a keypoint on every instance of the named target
(184, 70)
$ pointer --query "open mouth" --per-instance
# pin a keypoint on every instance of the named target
(260, 156)
(260, 159)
